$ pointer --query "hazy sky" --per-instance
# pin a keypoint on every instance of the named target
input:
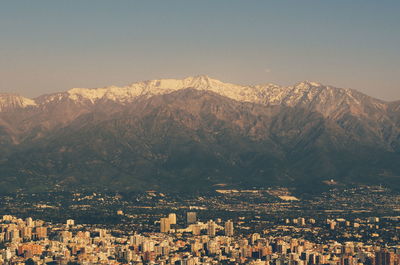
(49, 46)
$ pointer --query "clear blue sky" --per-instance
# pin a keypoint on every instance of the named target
(48, 45)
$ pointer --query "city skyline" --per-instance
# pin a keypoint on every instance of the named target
(229, 233)
(208, 132)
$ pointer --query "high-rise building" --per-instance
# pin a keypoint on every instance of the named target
(172, 218)
(164, 225)
(41, 232)
(211, 228)
(65, 236)
(255, 237)
(384, 257)
(29, 222)
(102, 233)
(136, 240)
(196, 229)
(191, 217)
(13, 235)
(229, 228)
(301, 221)
(26, 233)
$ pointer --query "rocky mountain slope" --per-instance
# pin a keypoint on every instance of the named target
(196, 133)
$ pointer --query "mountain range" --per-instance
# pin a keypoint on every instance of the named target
(198, 133)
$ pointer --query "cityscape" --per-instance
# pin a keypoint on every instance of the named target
(225, 227)
(200, 132)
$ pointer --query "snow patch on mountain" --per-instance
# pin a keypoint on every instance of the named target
(11, 101)
(325, 99)
(128, 93)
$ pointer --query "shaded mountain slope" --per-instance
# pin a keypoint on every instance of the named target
(193, 139)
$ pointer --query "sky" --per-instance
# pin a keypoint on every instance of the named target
(49, 46)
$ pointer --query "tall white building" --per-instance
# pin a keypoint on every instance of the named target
(211, 228)
(229, 228)
(172, 218)
(29, 222)
(164, 225)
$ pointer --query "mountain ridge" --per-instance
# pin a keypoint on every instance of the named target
(333, 103)
(250, 93)
(166, 135)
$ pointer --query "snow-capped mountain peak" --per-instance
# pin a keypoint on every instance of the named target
(165, 86)
(308, 83)
(302, 93)
(325, 99)
(12, 101)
